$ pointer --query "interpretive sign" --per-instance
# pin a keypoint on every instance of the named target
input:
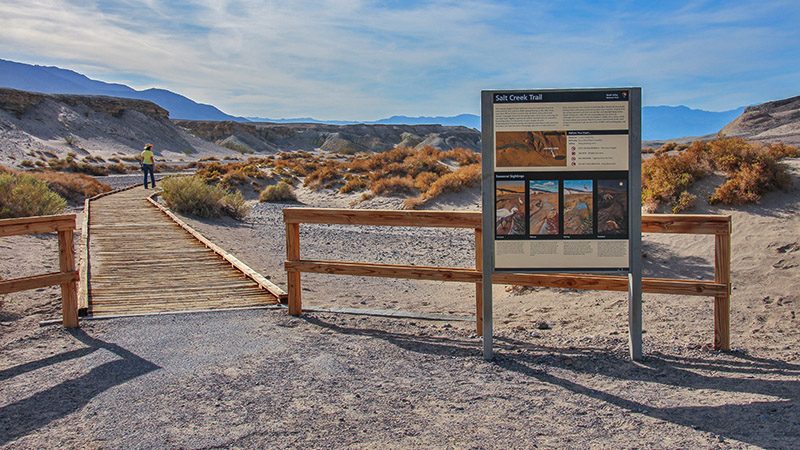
(560, 169)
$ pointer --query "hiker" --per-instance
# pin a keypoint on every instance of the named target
(148, 164)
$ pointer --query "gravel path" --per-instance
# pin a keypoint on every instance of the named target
(263, 379)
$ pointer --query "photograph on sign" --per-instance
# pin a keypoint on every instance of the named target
(561, 180)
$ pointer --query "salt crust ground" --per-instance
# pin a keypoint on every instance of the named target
(260, 378)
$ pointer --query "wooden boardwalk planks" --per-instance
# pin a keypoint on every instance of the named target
(142, 261)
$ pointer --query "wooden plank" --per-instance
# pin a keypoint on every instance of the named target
(244, 268)
(36, 281)
(383, 217)
(479, 285)
(386, 270)
(162, 313)
(36, 225)
(295, 298)
(651, 223)
(611, 283)
(722, 302)
(69, 289)
(685, 223)
(566, 281)
(83, 286)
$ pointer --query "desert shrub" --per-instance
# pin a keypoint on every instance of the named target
(463, 178)
(424, 180)
(750, 181)
(117, 167)
(74, 187)
(463, 156)
(23, 195)
(684, 201)
(192, 195)
(665, 177)
(296, 163)
(26, 163)
(233, 174)
(393, 186)
(751, 169)
(281, 192)
(234, 204)
(324, 177)
(354, 183)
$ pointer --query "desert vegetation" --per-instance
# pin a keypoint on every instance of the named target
(193, 195)
(420, 175)
(750, 169)
(32, 193)
(23, 195)
(281, 192)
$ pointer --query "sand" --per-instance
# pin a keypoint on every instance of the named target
(561, 379)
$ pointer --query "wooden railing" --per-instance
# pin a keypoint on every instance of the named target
(67, 277)
(719, 288)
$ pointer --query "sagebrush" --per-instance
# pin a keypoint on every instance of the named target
(192, 195)
(22, 195)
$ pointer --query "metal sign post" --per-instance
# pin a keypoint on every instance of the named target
(561, 189)
(487, 197)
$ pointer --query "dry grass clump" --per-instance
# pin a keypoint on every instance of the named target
(70, 164)
(281, 192)
(393, 185)
(328, 176)
(192, 195)
(665, 177)
(463, 178)
(353, 184)
(233, 174)
(23, 195)
(751, 169)
(74, 187)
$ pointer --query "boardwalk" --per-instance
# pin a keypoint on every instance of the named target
(143, 262)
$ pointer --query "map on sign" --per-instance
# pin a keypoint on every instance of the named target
(561, 179)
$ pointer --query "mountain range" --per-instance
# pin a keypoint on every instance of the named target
(658, 122)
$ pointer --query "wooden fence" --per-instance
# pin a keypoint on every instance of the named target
(719, 288)
(67, 277)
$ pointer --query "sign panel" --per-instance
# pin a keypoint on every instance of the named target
(560, 170)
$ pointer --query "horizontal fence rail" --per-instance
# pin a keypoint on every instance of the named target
(719, 287)
(67, 277)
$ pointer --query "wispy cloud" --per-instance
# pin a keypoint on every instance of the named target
(363, 60)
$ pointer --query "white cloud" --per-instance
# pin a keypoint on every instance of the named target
(355, 60)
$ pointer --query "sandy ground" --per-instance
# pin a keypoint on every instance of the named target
(561, 378)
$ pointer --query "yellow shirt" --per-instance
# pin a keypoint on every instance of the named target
(147, 157)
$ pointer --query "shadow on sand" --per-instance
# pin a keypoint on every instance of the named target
(761, 423)
(28, 415)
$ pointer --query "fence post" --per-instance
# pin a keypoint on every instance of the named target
(293, 276)
(69, 293)
(479, 285)
(722, 303)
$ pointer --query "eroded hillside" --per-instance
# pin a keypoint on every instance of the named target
(777, 121)
(259, 137)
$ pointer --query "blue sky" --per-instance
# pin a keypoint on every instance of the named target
(578, 185)
(359, 60)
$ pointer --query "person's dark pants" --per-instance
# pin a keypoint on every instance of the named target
(148, 168)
